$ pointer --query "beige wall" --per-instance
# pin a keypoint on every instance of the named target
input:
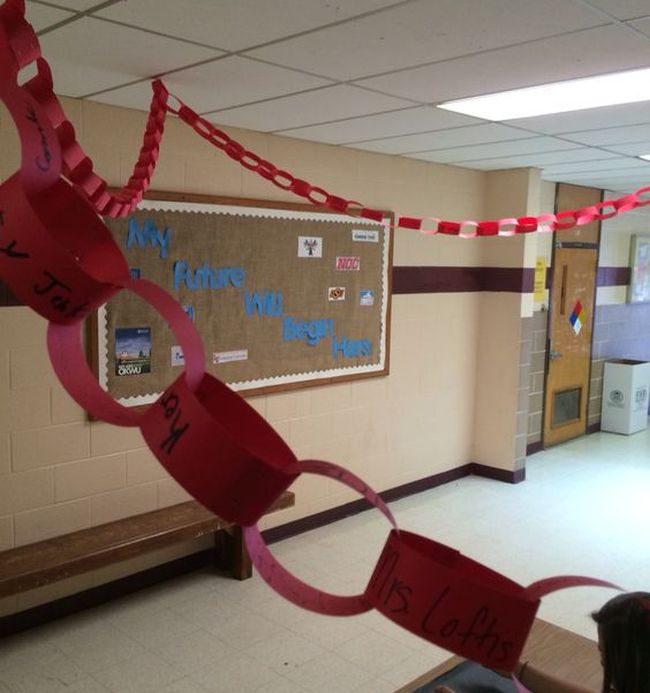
(615, 247)
(58, 472)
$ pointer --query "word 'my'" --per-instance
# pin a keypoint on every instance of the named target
(148, 234)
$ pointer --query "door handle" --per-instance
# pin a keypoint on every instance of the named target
(552, 354)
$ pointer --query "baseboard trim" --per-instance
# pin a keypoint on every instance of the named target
(505, 475)
(593, 428)
(326, 517)
(532, 448)
(95, 596)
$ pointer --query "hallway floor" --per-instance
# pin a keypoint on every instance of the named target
(583, 509)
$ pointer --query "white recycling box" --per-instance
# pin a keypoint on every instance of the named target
(626, 383)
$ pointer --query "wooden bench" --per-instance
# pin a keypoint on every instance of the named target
(560, 652)
(45, 562)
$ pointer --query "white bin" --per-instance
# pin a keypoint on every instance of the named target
(625, 396)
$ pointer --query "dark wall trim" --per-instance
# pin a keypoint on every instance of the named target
(7, 298)
(326, 517)
(593, 428)
(305, 524)
(434, 280)
(532, 448)
(431, 280)
(505, 475)
(613, 276)
(15, 623)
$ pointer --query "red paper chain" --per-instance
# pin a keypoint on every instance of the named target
(77, 165)
(62, 260)
(507, 226)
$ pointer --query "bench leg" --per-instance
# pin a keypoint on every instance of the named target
(231, 553)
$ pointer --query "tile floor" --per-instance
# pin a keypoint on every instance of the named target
(584, 508)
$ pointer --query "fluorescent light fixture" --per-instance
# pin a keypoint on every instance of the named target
(644, 156)
(558, 97)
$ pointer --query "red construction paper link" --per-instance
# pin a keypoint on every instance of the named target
(58, 256)
(219, 449)
(288, 585)
(319, 196)
(463, 606)
(67, 354)
(251, 161)
(22, 45)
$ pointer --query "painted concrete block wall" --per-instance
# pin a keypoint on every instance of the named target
(59, 472)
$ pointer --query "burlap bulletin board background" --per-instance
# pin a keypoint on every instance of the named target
(263, 306)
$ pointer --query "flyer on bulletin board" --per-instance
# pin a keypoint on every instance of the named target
(540, 279)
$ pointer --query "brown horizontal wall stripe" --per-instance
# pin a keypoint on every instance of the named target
(7, 298)
(432, 280)
(613, 276)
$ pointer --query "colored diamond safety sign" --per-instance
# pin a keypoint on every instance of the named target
(577, 317)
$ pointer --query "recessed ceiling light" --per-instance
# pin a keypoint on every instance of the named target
(558, 97)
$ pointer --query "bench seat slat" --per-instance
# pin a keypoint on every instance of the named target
(48, 561)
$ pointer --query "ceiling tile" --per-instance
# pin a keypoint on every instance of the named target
(609, 182)
(323, 105)
(84, 56)
(402, 122)
(136, 96)
(623, 9)
(642, 25)
(425, 31)
(236, 24)
(42, 16)
(78, 5)
(611, 136)
(581, 54)
(597, 173)
(494, 150)
(589, 119)
(615, 162)
(542, 159)
(444, 139)
(632, 149)
(225, 82)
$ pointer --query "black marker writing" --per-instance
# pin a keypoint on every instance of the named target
(170, 404)
(54, 283)
(42, 163)
(9, 251)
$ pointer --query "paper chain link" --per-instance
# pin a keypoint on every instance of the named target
(508, 226)
(59, 257)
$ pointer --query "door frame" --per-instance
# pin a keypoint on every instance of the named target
(549, 318)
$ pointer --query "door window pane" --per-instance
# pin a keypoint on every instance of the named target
(566, 406)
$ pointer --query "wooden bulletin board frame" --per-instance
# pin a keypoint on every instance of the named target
(304, 325)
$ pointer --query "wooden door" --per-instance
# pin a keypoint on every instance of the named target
(571, 312)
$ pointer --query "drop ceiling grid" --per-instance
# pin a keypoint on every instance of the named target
(342, 73)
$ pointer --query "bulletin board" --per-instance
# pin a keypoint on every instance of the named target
(282, 297)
